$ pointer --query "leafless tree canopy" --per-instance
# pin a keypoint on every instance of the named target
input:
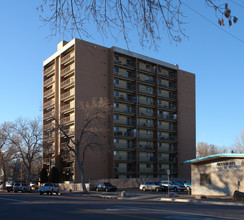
(150, 18)
(26, 137)
(204, 149)
(92, 116)
(238, 146)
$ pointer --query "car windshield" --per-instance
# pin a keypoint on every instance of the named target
(157, 183)
(107, 184)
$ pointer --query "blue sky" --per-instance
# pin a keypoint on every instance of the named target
(214, 56)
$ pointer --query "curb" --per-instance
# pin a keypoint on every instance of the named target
(202, 202)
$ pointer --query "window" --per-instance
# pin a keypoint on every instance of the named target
(147, 78)
(116, 105)
(148, 110)
(147, 67)
(128, 74)
(148, 165)
(159, 90)
(116, 69)
(116, 117)
(148, 88)
(116, 93)
(148, 154)
(116, 129)
(159, 123)
(116, 58)
(148, 99)
(116, 141)
(159, 101)
(116, 81)
(116, 153)
(148, 132)
(205, 179)
(148, 121)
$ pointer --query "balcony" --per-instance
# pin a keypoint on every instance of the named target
(167, 86)
(68, 107)
(123, 146)
(171, 139)
(146, 92)
(67, 120)
(124, 123)
(68, 70)
(49, 126)
(147, 159)
(167, 107)
(145, 147)
(67, 58)
(146, 81)
(145, 102)
(49, 70)
(48, 93)
(167, 117)
(146, 68)
(49, 103)
(48, 138)
(124, 87)
(167, 75)
(124, 111)
(124, 134)
(166, 150)
(70, 132)
(48, 115)
(120, 169)
(68, 95)
(124, 158)
(68, 82)
(121, 98)
(146, 170)
(166, 128)
(146, 126)
(169, 97)
(48, 81)
(130, 65)
(146, 136)
(146, 114)
(124, 75)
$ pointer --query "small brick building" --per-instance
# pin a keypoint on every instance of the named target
(219, 174)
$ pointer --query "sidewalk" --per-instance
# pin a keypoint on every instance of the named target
(211, 200)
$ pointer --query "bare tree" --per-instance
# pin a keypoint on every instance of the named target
(238, 146)
(204, 149)
(7, 151)
(26, 137)
(92, 116)
(149, 17)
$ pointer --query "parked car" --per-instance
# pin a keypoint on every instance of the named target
(180, 185)
(105, 186)
(22, 187)
(173, 186)
(188, 185)
(152, 186)
(49, 188)
(9, 186)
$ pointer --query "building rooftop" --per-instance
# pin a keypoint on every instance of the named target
(214, 157)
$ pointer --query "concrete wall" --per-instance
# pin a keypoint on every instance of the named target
(223, 182)
(186, 121)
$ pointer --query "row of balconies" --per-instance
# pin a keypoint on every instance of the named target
(151, 159)
(151, 69)
(125, 170)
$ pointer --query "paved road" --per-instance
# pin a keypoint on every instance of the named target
(33, 206)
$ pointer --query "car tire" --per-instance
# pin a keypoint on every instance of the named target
(175, 189)
(51, 192)
(41, 192)
(106, 190)
(144, 189)
(157, 189)
(97, 189)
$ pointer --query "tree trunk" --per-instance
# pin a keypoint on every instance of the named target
(83, 180)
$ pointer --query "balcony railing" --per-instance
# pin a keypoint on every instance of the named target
(49, 103)
(49, 126)
(124, 74)
(145, 136)
(167, 86)
(68, 94)
(124, 134)
(167, 117)
(123, 146)
(146, 114)
(67, 57)
(167, 139)
(67, 107)
(170, 75)
(68, 119)
(123, 122)
(49, 70)
(125, 87)
(144, 102)
(146, 159)
(145, 147)
(68, 82)
(144, 80)
(48, 115)
(48, 92)
(120, 110)
(173, 108)
(49, 81)
(144, 91)
(67, 70)
(145, 125)
(127, 99)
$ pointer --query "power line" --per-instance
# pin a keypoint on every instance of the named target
(213, 23)
(237, 4)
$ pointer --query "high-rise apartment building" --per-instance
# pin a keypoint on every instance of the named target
(152, 128)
